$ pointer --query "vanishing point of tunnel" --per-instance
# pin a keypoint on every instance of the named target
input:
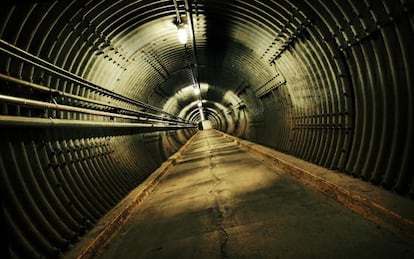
(207, 128)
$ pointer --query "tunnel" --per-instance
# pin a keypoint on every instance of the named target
(96, 95)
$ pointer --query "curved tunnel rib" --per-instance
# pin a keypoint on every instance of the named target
(95, 95)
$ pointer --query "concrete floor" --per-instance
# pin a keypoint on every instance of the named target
(221, 202)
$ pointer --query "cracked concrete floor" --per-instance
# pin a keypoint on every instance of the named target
(221, 202)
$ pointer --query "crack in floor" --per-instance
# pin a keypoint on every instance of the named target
(220, 224)
(218, 207)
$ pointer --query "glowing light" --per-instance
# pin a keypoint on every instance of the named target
(196, 90)
(182, 34)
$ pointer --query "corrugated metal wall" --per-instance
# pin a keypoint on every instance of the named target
(326, 81)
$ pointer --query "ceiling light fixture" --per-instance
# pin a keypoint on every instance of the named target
(196, 90)
(182, 33)
(181, 27)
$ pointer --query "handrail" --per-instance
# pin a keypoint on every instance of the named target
(59, 93)
(25, 56)
(60, 107)
(68, 108)
(16, 121)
